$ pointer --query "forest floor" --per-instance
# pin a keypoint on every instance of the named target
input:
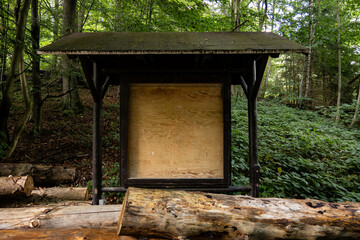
(66, 139)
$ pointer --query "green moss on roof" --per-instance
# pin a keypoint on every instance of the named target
(172, 43)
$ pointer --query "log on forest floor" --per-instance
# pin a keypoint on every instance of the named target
(70, 217)
(177, 214)
(43, 175)
(16, 185)
(66, 193)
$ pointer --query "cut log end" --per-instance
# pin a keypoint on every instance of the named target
(122, 212)
(28, 185)
(16, 185)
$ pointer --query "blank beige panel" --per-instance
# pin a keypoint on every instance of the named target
(175, 131)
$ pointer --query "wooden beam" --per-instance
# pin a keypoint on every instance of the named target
(71, 217)
(253, 139)
(105, 87)
(259, 65)
(244, 86)
(87, 67)
(97, 137)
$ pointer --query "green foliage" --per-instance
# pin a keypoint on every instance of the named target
(301, 154)
(112, 179)
(346, 112)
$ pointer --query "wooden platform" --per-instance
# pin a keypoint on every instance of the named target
(62, 234)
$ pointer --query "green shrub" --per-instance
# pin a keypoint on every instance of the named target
(301, 154)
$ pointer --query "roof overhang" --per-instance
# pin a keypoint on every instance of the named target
(143, 43)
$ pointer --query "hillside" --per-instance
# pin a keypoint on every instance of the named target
(302, 154)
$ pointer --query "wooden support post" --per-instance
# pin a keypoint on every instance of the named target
(253, 140)
(97, 136)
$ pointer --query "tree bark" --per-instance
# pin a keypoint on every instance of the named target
(71, 217)
(71, 100)
(356, 108)
(42, 175)
(338, 102)
(311, 34)
(19, 127)
(11, 186)
(66, 193)
(7, 97)
(36, 82)
(177, 214)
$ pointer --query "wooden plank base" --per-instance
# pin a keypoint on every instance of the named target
(63, 234)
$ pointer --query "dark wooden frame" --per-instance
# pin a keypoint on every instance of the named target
(249, 78)
(225, 182)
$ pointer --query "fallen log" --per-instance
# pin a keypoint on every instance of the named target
(66, 193)
(13, 186)
(43, 175)
(70, 217)
(176, 214)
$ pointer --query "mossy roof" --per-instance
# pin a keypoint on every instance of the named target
(112, 43)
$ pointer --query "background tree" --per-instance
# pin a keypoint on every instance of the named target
(16, 68)
(71, 99)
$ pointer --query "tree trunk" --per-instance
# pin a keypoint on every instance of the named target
(266, 79)
(357, 107)
(7, 97)
(36, 82)
(338, 103)
(303, 79)
(55, 31)
(19, 127)
(11, 186)
(177, 214)
(71, 100)
(42, 175)
(237, 13)
(66, 193)
(71, 217)
(311, 34)
(4, 51)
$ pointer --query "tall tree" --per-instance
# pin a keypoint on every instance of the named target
(36, 82)
(311, 35)
(71, 99)
(356, 114)
(339, 63)
(13, 73)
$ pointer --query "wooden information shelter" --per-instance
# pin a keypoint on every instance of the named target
(175, 102)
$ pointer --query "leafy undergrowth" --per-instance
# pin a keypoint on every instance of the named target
(301, 154)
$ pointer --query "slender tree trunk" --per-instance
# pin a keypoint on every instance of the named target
(36, 82)
(28, 105)
(338, 103)
(237, 13)
(55, 31)
(5, 24)
(303, 79)
(262, 17)
(72, 99)
(13, 70)
(356, 114)
(266, 79)
(308, 71)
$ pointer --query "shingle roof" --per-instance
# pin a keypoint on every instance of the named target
(115, 43)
